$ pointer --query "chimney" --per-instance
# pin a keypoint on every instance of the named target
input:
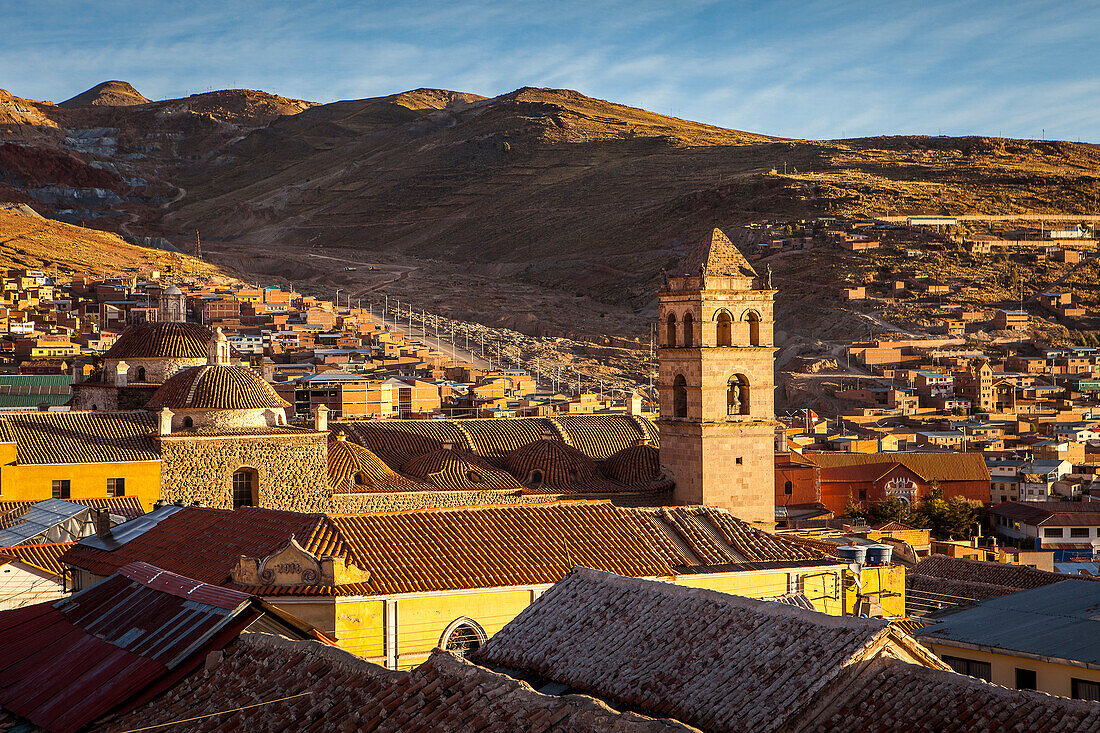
(165, 423)
(320, 419)
(43, 406)
(103, 522)
(78, 373)
(120, 374)
(634, 405)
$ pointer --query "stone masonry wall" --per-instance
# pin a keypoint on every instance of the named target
(291, 470)
(377, 502)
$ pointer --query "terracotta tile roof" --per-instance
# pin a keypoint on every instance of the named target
(601, 435)
(354, 469)
(695, 536)
(486, 547)
(80, 437)
(1051, 513)
(11, 512)
(398, 441)
(444, 693)
(712, 660)
(634, 465)
(218, 387)
(716, 255)
(448, 468)
(929, 466)
(1002, 574)
(45, 557)
(166, 340)
(892, 695)
(558, 463)
(204, 543)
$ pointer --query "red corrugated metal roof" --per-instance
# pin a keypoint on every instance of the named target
(63, 665)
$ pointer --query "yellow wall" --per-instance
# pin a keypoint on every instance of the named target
(360, 627)
(821, 587)
(882, 585)
(34, 482)
(1051, 678)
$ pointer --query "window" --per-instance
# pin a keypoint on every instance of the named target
(788, 488)
(244, 487)
(740, 460)
(1025, 679)
(1078, 531)
(535, 478)
(754, 327)
(725, 329)
(679, 397)
(1084, 689)
(61, 489)
(970, 667)
(116, 487)
(463, 637)
(188, 422)
(670, 331)
(474, 477)
(863, 494)
(1052, 532)
(360, 479)
(689, 330)
(141, 374)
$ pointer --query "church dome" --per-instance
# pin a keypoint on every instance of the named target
(172, 290)
(353, 468)
(166, 340)
(216, 387)
(448, 468)
(637, 464)
(550, 462)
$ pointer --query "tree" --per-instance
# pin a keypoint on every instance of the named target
(950, 517)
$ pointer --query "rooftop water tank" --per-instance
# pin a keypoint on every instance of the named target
(879, 554)
(852, 553)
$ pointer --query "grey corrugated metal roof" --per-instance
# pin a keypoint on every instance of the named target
(1060, 620)
(39, 519)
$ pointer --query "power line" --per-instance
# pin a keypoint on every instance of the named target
(220, 712)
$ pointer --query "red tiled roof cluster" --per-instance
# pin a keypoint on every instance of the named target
(45, 557)
(354, 469)
(168, 340)
(839, 466)
(451, 469)
(216, 387)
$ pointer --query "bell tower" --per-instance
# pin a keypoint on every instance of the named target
(716, 381)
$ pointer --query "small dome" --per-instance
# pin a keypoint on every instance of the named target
(550, 462)
(161, 340)
(352, 468)
(172, 290)
(448, 468)
(634, 465)
(216, 387)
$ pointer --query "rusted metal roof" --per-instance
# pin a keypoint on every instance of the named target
(62, 665)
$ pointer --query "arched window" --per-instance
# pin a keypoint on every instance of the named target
(360, 479)
(679, 397)
(141, 374)
(670, 331)
(725, 329)
(188, 422)
(95, 408)
(245, 483)
(474, 477)
(737, 395)
(788, 488)
(463, 636)
(754, 327)
(689, 328)
(535, 478)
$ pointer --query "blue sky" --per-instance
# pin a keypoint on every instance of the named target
(801, 69)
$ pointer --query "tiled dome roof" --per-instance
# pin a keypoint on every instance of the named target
(559, 464)
(216, 387)
(167, 340)
(448, 468)
(352, 468)
(637, 464)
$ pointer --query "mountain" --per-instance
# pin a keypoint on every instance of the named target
(107, 94)
(542, 209)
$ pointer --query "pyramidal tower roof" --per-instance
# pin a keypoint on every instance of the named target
(717, 256)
